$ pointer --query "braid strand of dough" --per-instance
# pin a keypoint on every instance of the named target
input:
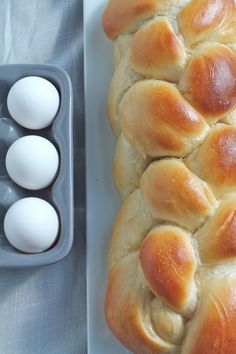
(172, 105)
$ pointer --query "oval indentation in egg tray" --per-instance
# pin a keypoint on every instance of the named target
(60, 193)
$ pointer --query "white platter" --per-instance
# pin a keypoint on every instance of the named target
(102, 199)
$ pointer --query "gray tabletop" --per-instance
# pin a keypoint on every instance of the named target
(43, 310)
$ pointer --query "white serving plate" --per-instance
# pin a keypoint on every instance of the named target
(102, 199)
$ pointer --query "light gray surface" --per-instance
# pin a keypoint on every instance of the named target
(43, 310)
(102, 198)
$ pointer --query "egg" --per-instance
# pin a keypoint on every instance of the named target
(32, 162)
(33, 102)
(31, 225)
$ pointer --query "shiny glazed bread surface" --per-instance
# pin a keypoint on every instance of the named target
(172, 105)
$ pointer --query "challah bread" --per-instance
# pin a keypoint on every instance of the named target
(188, 47)
(172, 104)
(172, 284)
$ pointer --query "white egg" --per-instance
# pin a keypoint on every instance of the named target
(33, 102)
(31, 225)
(32, 162)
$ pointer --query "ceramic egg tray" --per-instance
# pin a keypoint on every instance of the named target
(60, 193)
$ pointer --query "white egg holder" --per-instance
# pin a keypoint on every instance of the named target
(60, 193)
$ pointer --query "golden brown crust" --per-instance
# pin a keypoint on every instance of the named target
(158, 121)
(127, 305)
(213, 328)
(172, 257)
(132, 223)
(217, 238)
(215, 160)
(209, 82)
(174, 194)
(169, 265)
(156, 51)
(203, 20)
(120, 16)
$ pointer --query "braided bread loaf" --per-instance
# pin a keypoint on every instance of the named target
(172, 104)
